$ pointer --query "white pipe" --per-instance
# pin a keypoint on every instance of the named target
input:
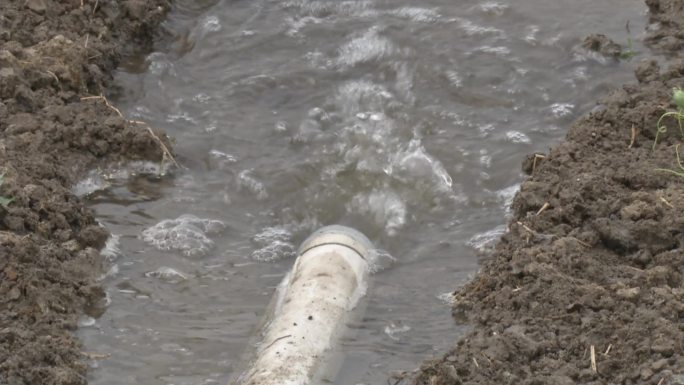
(312, 306)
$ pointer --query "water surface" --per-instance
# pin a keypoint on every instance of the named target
(406, 120)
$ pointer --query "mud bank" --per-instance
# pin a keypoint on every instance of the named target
(54, 57)
(587, 285)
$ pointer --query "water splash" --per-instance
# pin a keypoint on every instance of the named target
(250, 183)
(385, 207)
(485, 242)
(111, 250)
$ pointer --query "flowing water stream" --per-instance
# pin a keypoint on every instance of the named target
(406, 120)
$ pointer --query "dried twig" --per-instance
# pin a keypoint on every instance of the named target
(476, 364)
(95, 356)
(166, 154)
(486, 358)
(53, 75)
(524, 226)
(544, 207)
(631, 142)
(592, 353)
(668, 204)
(581, 242)
(106, 102)
(534, 161)
(608, 350)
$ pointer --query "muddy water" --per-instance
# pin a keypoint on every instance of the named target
(408, 122)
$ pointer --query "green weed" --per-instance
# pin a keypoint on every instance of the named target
(629, 52)
(679, 163)
(678, 99)
(4, 201)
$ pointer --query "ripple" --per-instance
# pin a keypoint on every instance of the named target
(422, 15)
(368, 47)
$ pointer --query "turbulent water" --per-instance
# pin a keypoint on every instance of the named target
(405, 120)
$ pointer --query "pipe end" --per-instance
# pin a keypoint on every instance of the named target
(340, 235)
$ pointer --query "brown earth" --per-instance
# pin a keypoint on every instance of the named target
(587, 287)
(53, 54)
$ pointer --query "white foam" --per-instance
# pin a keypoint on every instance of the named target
(187, 234)
(275, 243)
(472, 29)
(167, 274)
(560, 110)
(211, 24)
(494, 8)
(507, 194)
(484, 242)
(495, 50)
(111, 249)
(248, 182)
(393, 329)
(447, 298)
(518, 137)
(222, 155)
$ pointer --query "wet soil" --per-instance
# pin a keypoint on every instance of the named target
(587, 286)
(56, 58)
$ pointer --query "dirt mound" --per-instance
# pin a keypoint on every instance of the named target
(667, 34)
(587, 287)
(56, 58)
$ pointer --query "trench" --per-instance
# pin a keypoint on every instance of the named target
(408, 122)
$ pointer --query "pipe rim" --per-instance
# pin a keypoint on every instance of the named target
(341, 236)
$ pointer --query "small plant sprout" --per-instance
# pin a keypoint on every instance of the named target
(678, 99)
(4, 201)
(679, 172)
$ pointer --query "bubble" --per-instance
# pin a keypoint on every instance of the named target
(275, 243)
(518, 137)
(167, 274)
(560, 110)
(211, 24)
(186, 234)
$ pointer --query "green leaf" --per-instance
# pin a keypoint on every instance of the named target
(5, 201)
